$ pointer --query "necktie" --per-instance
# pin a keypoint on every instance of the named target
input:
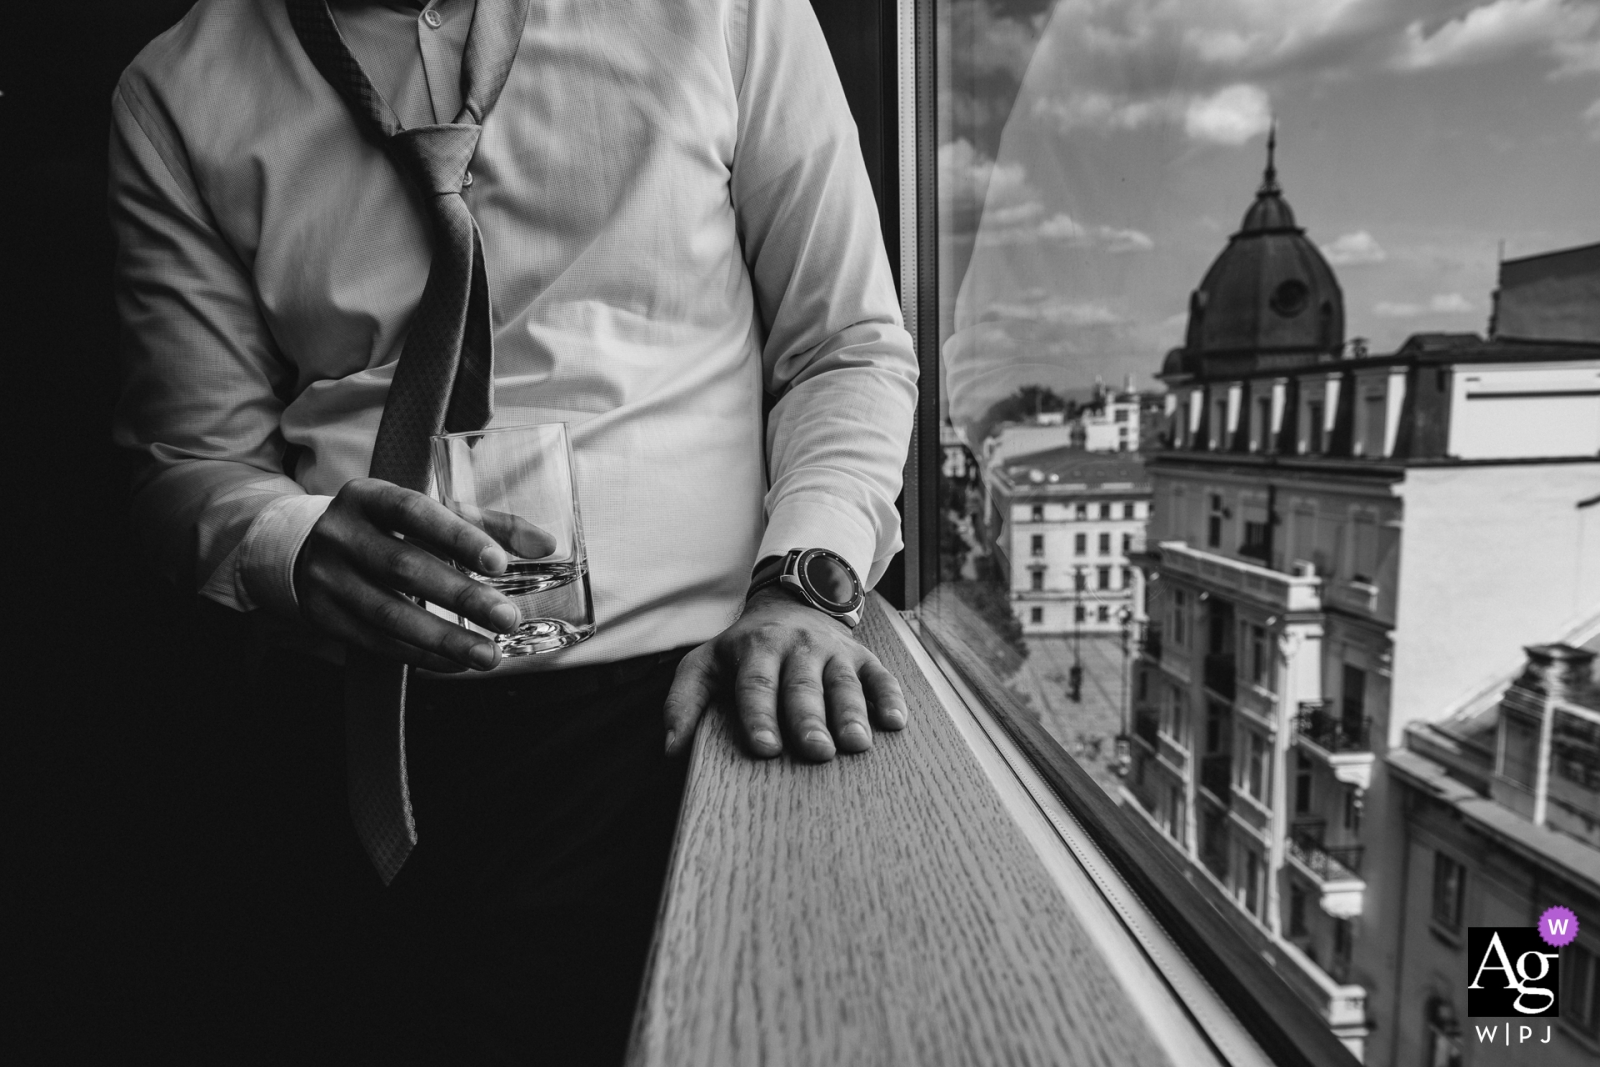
(444, 380)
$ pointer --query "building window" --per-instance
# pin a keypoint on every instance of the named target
(1257, 769)
(1105, 544)
(1103, 613)
(1080, 544)
(1260, 655)
(1180, 618)
(1297, 911)
(1036, 580)
(1036, 615)
(1037, 544)
(1038, 513)
(1580, 989)
(1103, 577)
(1449, 892)
(1214, 522)
(1353, 699)
(1263, 441)
(1120, 415)
(1352, 810)
(1314, 428)
(1129, 511)
(1082, 511)
(1127, 543)
(1079, 614)
(1343, 939)
(1255, 540)
(1219, 435)
(1105, 511)
(1127, 577)
(1252, 882)
(1519, 750)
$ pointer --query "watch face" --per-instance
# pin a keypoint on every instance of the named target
(829, 580)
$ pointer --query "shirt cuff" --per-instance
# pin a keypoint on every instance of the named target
(270, 547)
(807, 522)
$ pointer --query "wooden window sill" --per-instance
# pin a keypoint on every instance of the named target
(920, 904)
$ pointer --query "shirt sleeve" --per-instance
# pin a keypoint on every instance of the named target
(835, 352)
(201, 382)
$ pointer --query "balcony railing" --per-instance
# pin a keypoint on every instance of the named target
(1317, 723)
(1147, 725)
(1220, 672)
(1216, 775)
(1330, 863)
(1286, 592)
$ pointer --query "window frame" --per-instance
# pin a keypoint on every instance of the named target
(1286, 1029)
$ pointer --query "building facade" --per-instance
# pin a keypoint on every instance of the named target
(1501, 806)
(1065, 525)
(1335, 544)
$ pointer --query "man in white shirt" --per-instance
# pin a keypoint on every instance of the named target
(676, 221)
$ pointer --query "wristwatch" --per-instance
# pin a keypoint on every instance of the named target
(816, 577)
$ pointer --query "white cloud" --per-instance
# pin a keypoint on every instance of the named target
(1440, 304)
(1230, 116)
(1499, 28)
(1577, 57)
(1354, 249)
(966, 175)
(1053, 310)
(1593, 117)
(1027, 224)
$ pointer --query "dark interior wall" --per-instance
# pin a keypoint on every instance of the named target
(118, 713)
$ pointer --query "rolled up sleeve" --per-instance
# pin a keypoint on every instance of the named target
(836, 353)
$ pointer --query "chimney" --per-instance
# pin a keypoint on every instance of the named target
(1558, 671)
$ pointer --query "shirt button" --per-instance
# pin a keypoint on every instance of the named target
(432, 18)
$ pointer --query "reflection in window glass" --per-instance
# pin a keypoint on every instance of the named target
(1230, 275)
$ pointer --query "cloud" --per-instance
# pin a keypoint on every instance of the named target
(1592, 115)
(1440, 304)
(1051, 309)
(1498, 29)
(1028, 224)
(1230, 116)
(966, 175)
(1354, 250)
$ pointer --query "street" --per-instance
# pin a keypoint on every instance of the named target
(1087, 731)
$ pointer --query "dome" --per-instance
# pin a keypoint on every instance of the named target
(1270, 290)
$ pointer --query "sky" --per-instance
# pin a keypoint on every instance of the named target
(1095, 155)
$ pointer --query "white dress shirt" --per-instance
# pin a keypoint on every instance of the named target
(676, 218)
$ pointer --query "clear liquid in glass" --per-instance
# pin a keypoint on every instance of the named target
(555, 603)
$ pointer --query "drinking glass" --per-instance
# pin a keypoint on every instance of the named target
(513, 483)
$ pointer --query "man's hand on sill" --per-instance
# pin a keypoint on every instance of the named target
(793, 672)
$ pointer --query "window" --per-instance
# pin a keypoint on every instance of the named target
(1036, 580)
(1449, 892)
(1038, 513)
(1297, 910)
(1364, 549)
(1127, 577)
(1081, 512)
(1314, 419)
(1219, 427)
(1343, 942)
(1259, 643)
(1080, 544)
(1102, 613)
(1352, 811)
(1036, 545)
(1302, 784)
(1263, 441)
(1105, 544)
(1257, 768)
(1127, 543)
(1036, 615)
(1079, 613)
(1129, 511)
(1256, 543)
(1180, 618)
(1105, 511)
(1519, 750)
(1580, 988)
(1214, 523)
(1120, 415)
(1103, 577)
(1353, 698)
(1252, 882)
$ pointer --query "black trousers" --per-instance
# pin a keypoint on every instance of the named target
(518, 929)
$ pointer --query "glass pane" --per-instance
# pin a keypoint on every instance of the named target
(1270, 353)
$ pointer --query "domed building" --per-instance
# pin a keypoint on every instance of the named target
(1270, 299)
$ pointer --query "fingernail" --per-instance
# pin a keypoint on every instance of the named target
(482, 656)
(492, 559)
(672, 738)
(854, 731)
(818, 737)
(894, 717)
(765, 739)
(506, 616)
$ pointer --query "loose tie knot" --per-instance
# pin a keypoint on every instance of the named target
(437, 157)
